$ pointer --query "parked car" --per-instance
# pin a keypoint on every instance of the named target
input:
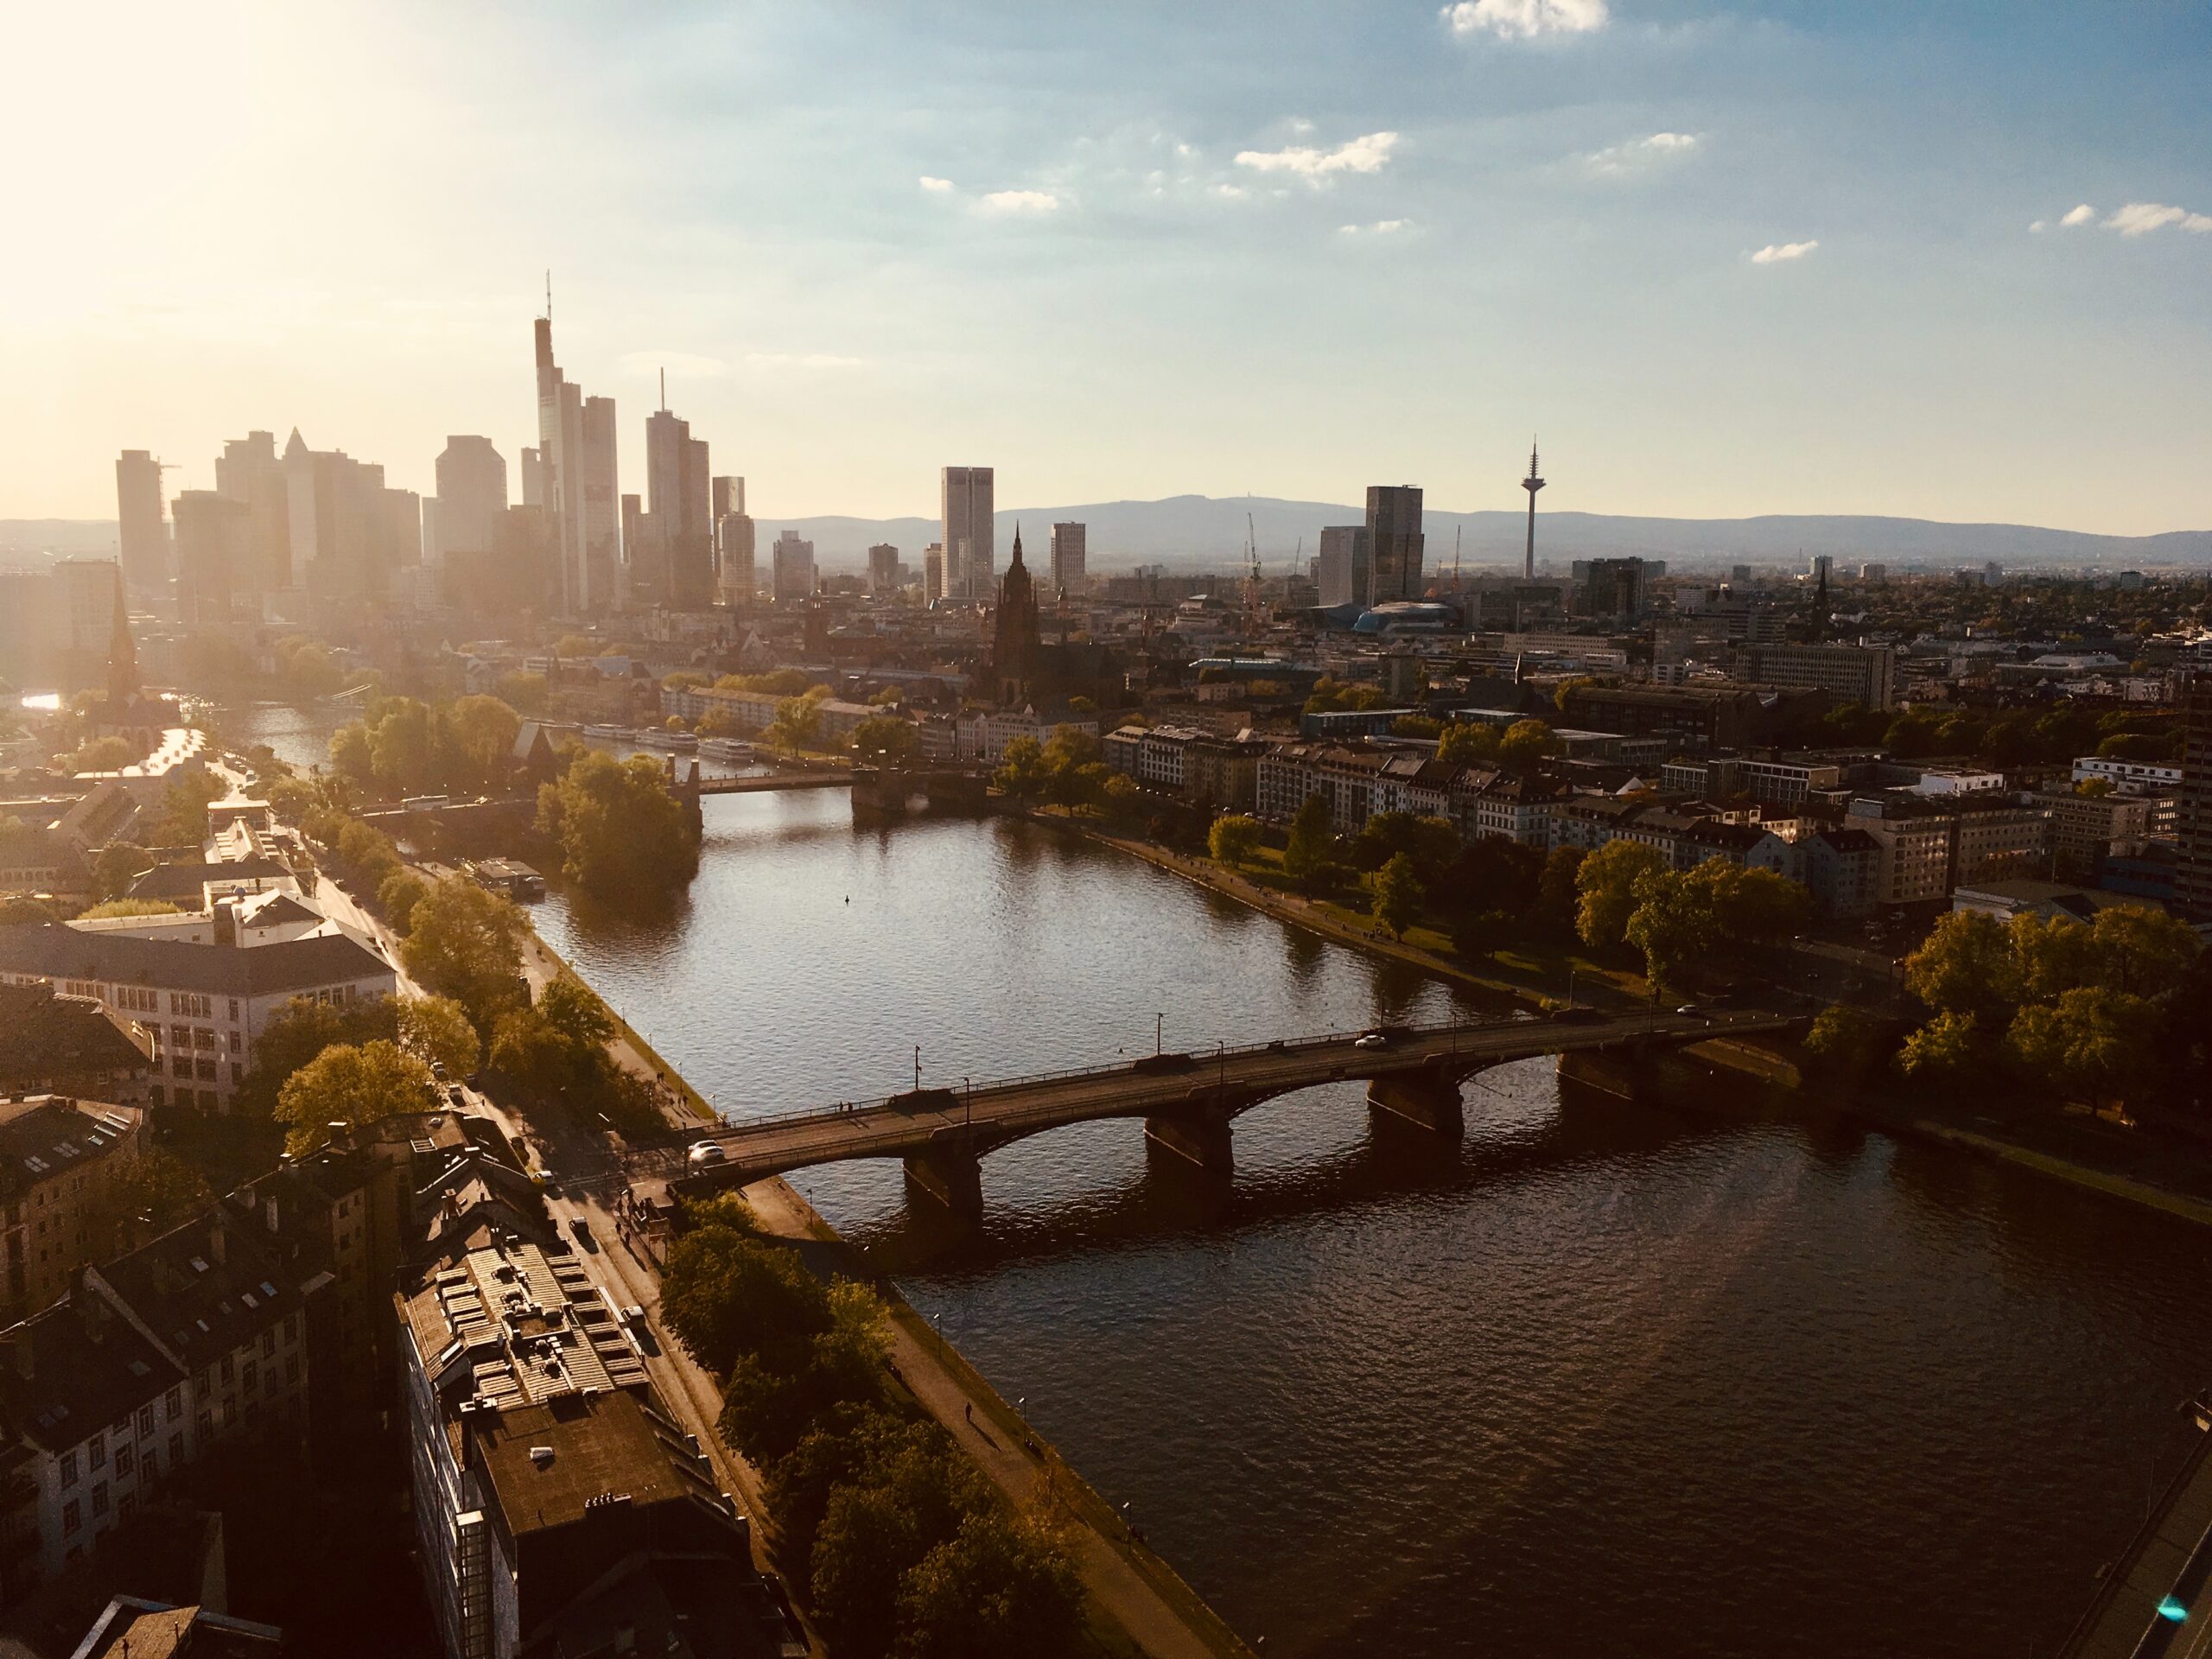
(581, 1229)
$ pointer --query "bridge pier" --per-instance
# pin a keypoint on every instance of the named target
(951, 1176)
(1427, 1100)
(1199, 1137)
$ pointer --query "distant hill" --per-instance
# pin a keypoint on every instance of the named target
(1202, 532)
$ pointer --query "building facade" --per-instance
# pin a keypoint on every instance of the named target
(969, 518)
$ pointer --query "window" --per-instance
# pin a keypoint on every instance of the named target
(292, 1329)
(226, 1368)
(250, 1382)
(68, 1468)
(99, 1498)
(97, 1447)
(182, 1065)
(292, 1368)
(173, 1402)
(176, 1447)
(207, 1070)
(145, 1421)
(125, 1461)
(124, 1504)
(149, 1466)
(238, 1073)
(72, 1518)
(192, 1003)
(268, 1340)
(237, 1045)
(234, 1014)
(181, 1036)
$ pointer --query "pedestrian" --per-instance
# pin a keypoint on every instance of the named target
(968, 1410)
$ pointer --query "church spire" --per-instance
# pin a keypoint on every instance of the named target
(1017, 541)
(122, 657)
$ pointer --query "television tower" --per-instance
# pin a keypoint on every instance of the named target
(1532, 484)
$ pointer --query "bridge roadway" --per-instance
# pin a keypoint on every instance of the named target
(768, 783)
(1187, 1101)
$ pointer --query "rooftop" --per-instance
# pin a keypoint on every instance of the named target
(56, 951)
(53, 1039)
(510, 1324)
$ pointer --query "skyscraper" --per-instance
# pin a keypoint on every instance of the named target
(211, 552)
(1394, 541)
(602, 544)
(472, 494)
(1341, 572)
(679, 507)
(561, 459)
(248, 471)
(971, 561)
(735, 543)
(794, 568)
(932, 573)
(2193, 871)
(882, 569)
(1068, 554)
(346, 531)
(142, 539)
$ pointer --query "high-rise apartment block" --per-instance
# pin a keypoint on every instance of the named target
(1394, 541)
(1069, 551)
(883, 569)
(794, 568)
(971, 563)
(142, 538)
(1342, 571)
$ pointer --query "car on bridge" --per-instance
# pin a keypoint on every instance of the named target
(1577, 1016)
(702, 1155)
(1370, 1040)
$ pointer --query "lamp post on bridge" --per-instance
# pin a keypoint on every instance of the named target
(917, 1068)
(1159, 1032)
(968, 1088)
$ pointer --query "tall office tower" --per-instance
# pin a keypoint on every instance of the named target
(1532, 484)
(733, 543)
(248, 471)
(142, 538)
(642, 570)
(214, 552)
(2193, 873)
(533, 479)
(1068, 551)
(971, 560)
(932, 573)
(603, 549)
(728, 496)
(403, 511)
(1614, 588)
(1343, 571)
(794, 568)
(561, 459)
(882, 570)
(471, 497)
(346, 535)
(679, 505)
(1394, 541)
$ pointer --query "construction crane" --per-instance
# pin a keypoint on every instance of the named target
(1252, 563)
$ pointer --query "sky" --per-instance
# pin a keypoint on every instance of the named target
(1950, 261)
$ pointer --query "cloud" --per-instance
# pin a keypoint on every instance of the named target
(2081, 215)
(1006, 203)
(1775, 252)
(2036, 226)
(1316, 167)
(2141, 218)
(1230, 192)
(1619, 161)
(1524, 20)
(935, 187)
(1380, 227)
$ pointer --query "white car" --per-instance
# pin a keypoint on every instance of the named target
(704, 1153)
(1370, 1040)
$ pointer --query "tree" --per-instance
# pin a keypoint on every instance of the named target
(102, 754)
(2145, 951)
(116, 865)
(467, 944)
(435, 1030)
(484, 730)
(1416, 726)
(2092, 1043)
(183, 820)
(1850, 1043)
(1556, 889)
(622, 834)
(574, 1013)
(21, 910)
(2052, 955)
(1605, 885)
(353, 1085)
(1022, 769)
(121, 907)
(1234, 839)
(1965, 966)
(396, 896)
(301, 1030)
(153, 1192)
(1673, 924)
(1480, 934)
(1526, 743)
(996, 1589)
(798, 721)
(886, 739)
(726, 1296)
(1307, 855)
(351, 753)
(1399, 894)
(1468, 743)
(1947, 1049)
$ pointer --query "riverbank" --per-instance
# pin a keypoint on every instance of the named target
(2060, 1152)
(1139, 1607)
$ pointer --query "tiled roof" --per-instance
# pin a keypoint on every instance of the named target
(56, 951)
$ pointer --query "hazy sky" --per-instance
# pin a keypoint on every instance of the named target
(1952, 261)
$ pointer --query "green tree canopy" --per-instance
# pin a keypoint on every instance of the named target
(2092, 1044)
(353, 1086)
(886, 739)
(1604, 884)
(435, 1031)
(1309, 852)
(1947, 1049)
(1525, 744)
(1964, 965)
(467, 944)
(1022, 769)
(996, 1589)
(1469, 743)
(622, 834)
(1234, 839)
(396, 896)
(116, 865)
(1399, 894)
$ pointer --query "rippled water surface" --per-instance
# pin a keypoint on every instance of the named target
(1607, 1378)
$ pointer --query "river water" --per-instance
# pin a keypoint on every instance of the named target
(1608, 1377)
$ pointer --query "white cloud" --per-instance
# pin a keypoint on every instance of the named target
(2036, 226)
(2141, 218)
(1362, 154)
(935, 187)
(1006, 202)
(1523, 20)
(2081, 215)
(1617, 160)
(1230, 192)
(1776, 252)
(1380, 227)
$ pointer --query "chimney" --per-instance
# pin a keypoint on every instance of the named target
(216, 1244)
(269, 1211)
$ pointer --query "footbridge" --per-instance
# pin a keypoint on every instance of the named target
(1187, 1102)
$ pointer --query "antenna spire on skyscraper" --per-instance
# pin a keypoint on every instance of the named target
(548, 295)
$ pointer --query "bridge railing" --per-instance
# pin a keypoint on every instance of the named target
(781, 1120)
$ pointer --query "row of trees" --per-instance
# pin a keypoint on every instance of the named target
(2113, 1012)
(2006, 737)
(1066, 770)
(891, 1535)
(403, 746)
(1681, 920)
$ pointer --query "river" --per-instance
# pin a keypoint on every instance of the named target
(1608, 1377)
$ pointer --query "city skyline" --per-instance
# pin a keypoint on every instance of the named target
(1696, 247)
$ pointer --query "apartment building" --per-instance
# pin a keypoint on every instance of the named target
(1931, 844)
(2086, 830)
(60, 1158)
(70, 1046)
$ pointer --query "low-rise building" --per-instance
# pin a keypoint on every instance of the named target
(70, 1045)
(1932, 844)
(1222, 774)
